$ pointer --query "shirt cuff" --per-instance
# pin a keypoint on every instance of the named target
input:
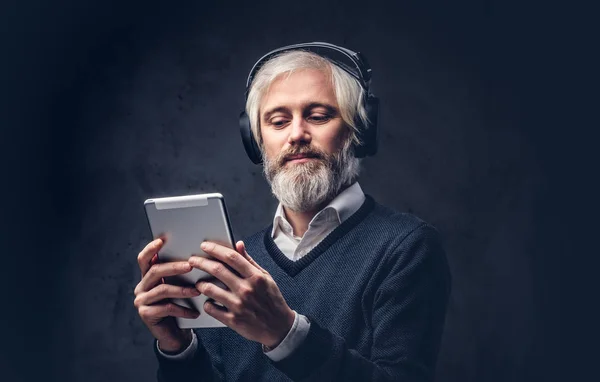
(187, 353)
(292, 340)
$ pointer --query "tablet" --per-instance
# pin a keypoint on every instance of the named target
(184, 222)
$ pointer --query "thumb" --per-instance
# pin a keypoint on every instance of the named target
(241, 248)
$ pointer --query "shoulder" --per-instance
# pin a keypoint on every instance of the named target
(405, 240)
(399, 226)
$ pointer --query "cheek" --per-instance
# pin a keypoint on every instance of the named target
(333, 140)
(272, 143)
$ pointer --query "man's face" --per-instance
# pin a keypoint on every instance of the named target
(298, 114)
(305, 141)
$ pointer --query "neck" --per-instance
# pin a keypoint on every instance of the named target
(300, 220)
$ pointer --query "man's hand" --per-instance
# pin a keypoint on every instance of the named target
(255, 308)
(151, 294)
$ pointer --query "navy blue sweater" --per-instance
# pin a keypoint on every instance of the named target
(375, 291)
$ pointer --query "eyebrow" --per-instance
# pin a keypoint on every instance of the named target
(330, 109)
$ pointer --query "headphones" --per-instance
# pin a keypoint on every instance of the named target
(355, 64)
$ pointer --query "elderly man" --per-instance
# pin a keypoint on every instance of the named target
(339, 287)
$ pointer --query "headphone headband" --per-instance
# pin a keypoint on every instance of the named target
(358, 68)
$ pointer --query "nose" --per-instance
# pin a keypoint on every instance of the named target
(299, 132)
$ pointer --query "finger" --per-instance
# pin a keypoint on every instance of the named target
(241, 248)
(163, 291)
(156, 273)
(217, 269)
(158, 311)
(146, 255)
(155, 261)
(230, 257)
(217, 312)
(220, 295)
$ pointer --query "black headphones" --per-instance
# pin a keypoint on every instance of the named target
(354, 64)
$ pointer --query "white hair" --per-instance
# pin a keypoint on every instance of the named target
(348, 91)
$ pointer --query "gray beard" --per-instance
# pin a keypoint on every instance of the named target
(303, 187)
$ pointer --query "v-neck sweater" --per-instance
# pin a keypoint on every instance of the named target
(375, 291)
(344, 205)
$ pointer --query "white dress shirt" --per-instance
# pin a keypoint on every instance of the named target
(321, 225)
(293, 247)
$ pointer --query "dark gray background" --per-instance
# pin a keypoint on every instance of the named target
(108, 103)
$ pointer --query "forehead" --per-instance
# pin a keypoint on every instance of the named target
(300, 88)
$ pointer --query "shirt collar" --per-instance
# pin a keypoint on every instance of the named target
(344, 205)
(348, 201)
(278, 219)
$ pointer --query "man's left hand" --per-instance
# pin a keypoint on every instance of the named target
(255, 308)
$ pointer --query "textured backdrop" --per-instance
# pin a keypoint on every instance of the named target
(141, 100)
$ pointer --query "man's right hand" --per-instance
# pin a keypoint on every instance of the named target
(152, 299)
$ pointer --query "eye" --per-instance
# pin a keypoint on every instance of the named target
(319, 118)
(278, 122)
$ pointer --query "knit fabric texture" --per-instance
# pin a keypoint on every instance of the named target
(375, 291)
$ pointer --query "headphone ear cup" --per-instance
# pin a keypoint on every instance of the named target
(359, 149)
(372, 132)
(368, 134)
(250, 144)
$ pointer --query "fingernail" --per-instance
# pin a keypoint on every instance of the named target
(203, 245)
(192, 314)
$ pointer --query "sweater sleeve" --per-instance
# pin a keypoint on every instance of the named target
(407, 319)
(196, 367)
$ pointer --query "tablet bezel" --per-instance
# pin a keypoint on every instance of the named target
(183, 203)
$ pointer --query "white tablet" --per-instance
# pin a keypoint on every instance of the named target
(184, 222)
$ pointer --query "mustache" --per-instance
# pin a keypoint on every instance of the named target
(305, 151)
